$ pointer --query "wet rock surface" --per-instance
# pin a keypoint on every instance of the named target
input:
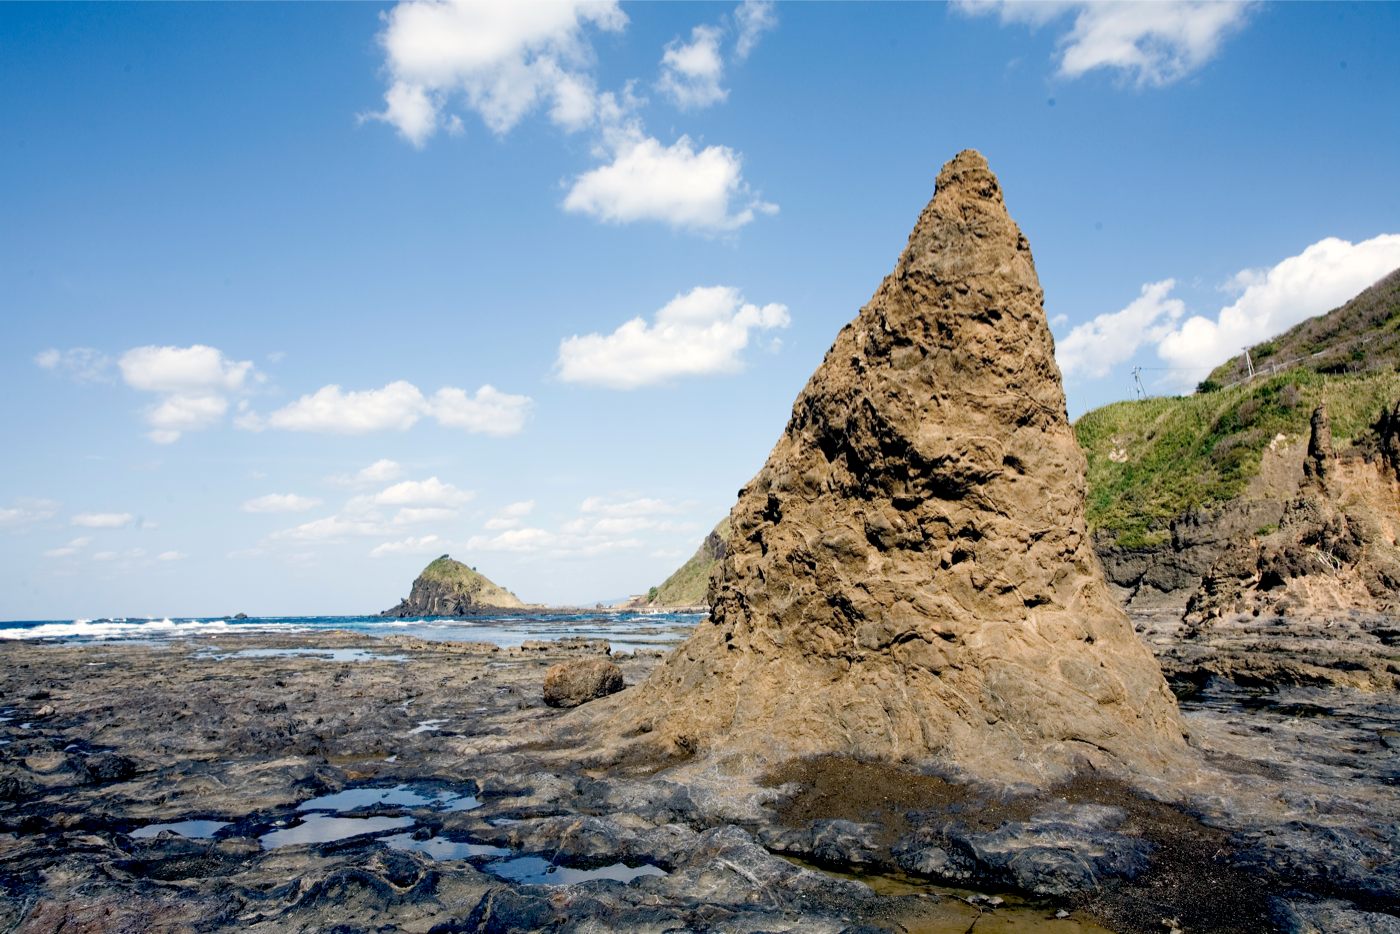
(427, 793)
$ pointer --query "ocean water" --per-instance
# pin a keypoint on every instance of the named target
(626, 631)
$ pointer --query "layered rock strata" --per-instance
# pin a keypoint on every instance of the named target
(909, 576)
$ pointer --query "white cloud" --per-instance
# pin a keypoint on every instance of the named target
(420, 515)
(330, 409)
(103, 520)
(1094, 348)
(753, 18)
(194, 383)
(170, 556)
(1323, 276)
(1151, 43)
(490, 411)
(68, 550)
(81, 364)
(702, 191)
(511, 516)
(27, 511)
(643, 506)
(429, 492)
(381, 471)
(698, 333)
(281, 502)
(331, 528)
(502, 60)
(691, 71)
(425, 545)
(517, 540)
(396, 407)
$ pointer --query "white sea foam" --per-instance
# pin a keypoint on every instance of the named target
(143, 629)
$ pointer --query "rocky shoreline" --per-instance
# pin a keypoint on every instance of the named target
(464, 790)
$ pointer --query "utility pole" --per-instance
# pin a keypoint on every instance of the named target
(1249, 363)
(1137, 383)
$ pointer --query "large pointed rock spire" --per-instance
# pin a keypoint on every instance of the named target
(909, 576)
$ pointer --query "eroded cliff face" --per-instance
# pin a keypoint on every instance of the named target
(1335, 545)
(909, 576)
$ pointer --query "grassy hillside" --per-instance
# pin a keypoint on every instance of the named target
(1360, 336)
(688, 586)
(457, 576)
(1151, 460)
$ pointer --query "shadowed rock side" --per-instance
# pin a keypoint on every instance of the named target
(450, 588)
(909, 575)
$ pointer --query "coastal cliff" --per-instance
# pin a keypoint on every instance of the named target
(450, 588)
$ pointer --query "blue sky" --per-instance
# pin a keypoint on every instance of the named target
(272, 339)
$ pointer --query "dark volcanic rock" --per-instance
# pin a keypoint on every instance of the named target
(571, 683)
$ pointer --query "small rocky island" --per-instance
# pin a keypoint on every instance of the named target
(450, 588)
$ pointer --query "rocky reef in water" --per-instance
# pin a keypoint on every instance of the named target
(909, 577)
(450, 588)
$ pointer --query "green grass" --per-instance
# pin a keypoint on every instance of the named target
(690, 584)
(1199, 450)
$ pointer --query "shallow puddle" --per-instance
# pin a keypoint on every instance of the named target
(330, 655)
(193, 829)
(352, 799)
(426, 726)
(321, 828)
(444, 848)
(942, 910)
(536, 870)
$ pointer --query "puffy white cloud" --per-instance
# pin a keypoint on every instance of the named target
(691, 71)
(381, 471)
(501, 59)
(511, 516)
(429, 492)
(194, 383)
(1323, 276)
(68, 550)
(424, 545)
(688, 189)
(196, 369)
(170, 556)
(396, 407)
(27, 511)
(81, 364)
(489, 411)
(103, 520)
(281, 502)
(330, 409)
(1151, 43)
(1096, 347)
(753, 18)
(698, 333)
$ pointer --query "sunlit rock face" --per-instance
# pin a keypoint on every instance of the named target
(909, 576)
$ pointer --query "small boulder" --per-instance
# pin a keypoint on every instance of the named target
(569, 684)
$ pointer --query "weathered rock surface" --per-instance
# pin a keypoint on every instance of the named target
(909, 575)
(450, 588)
(575, 682)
